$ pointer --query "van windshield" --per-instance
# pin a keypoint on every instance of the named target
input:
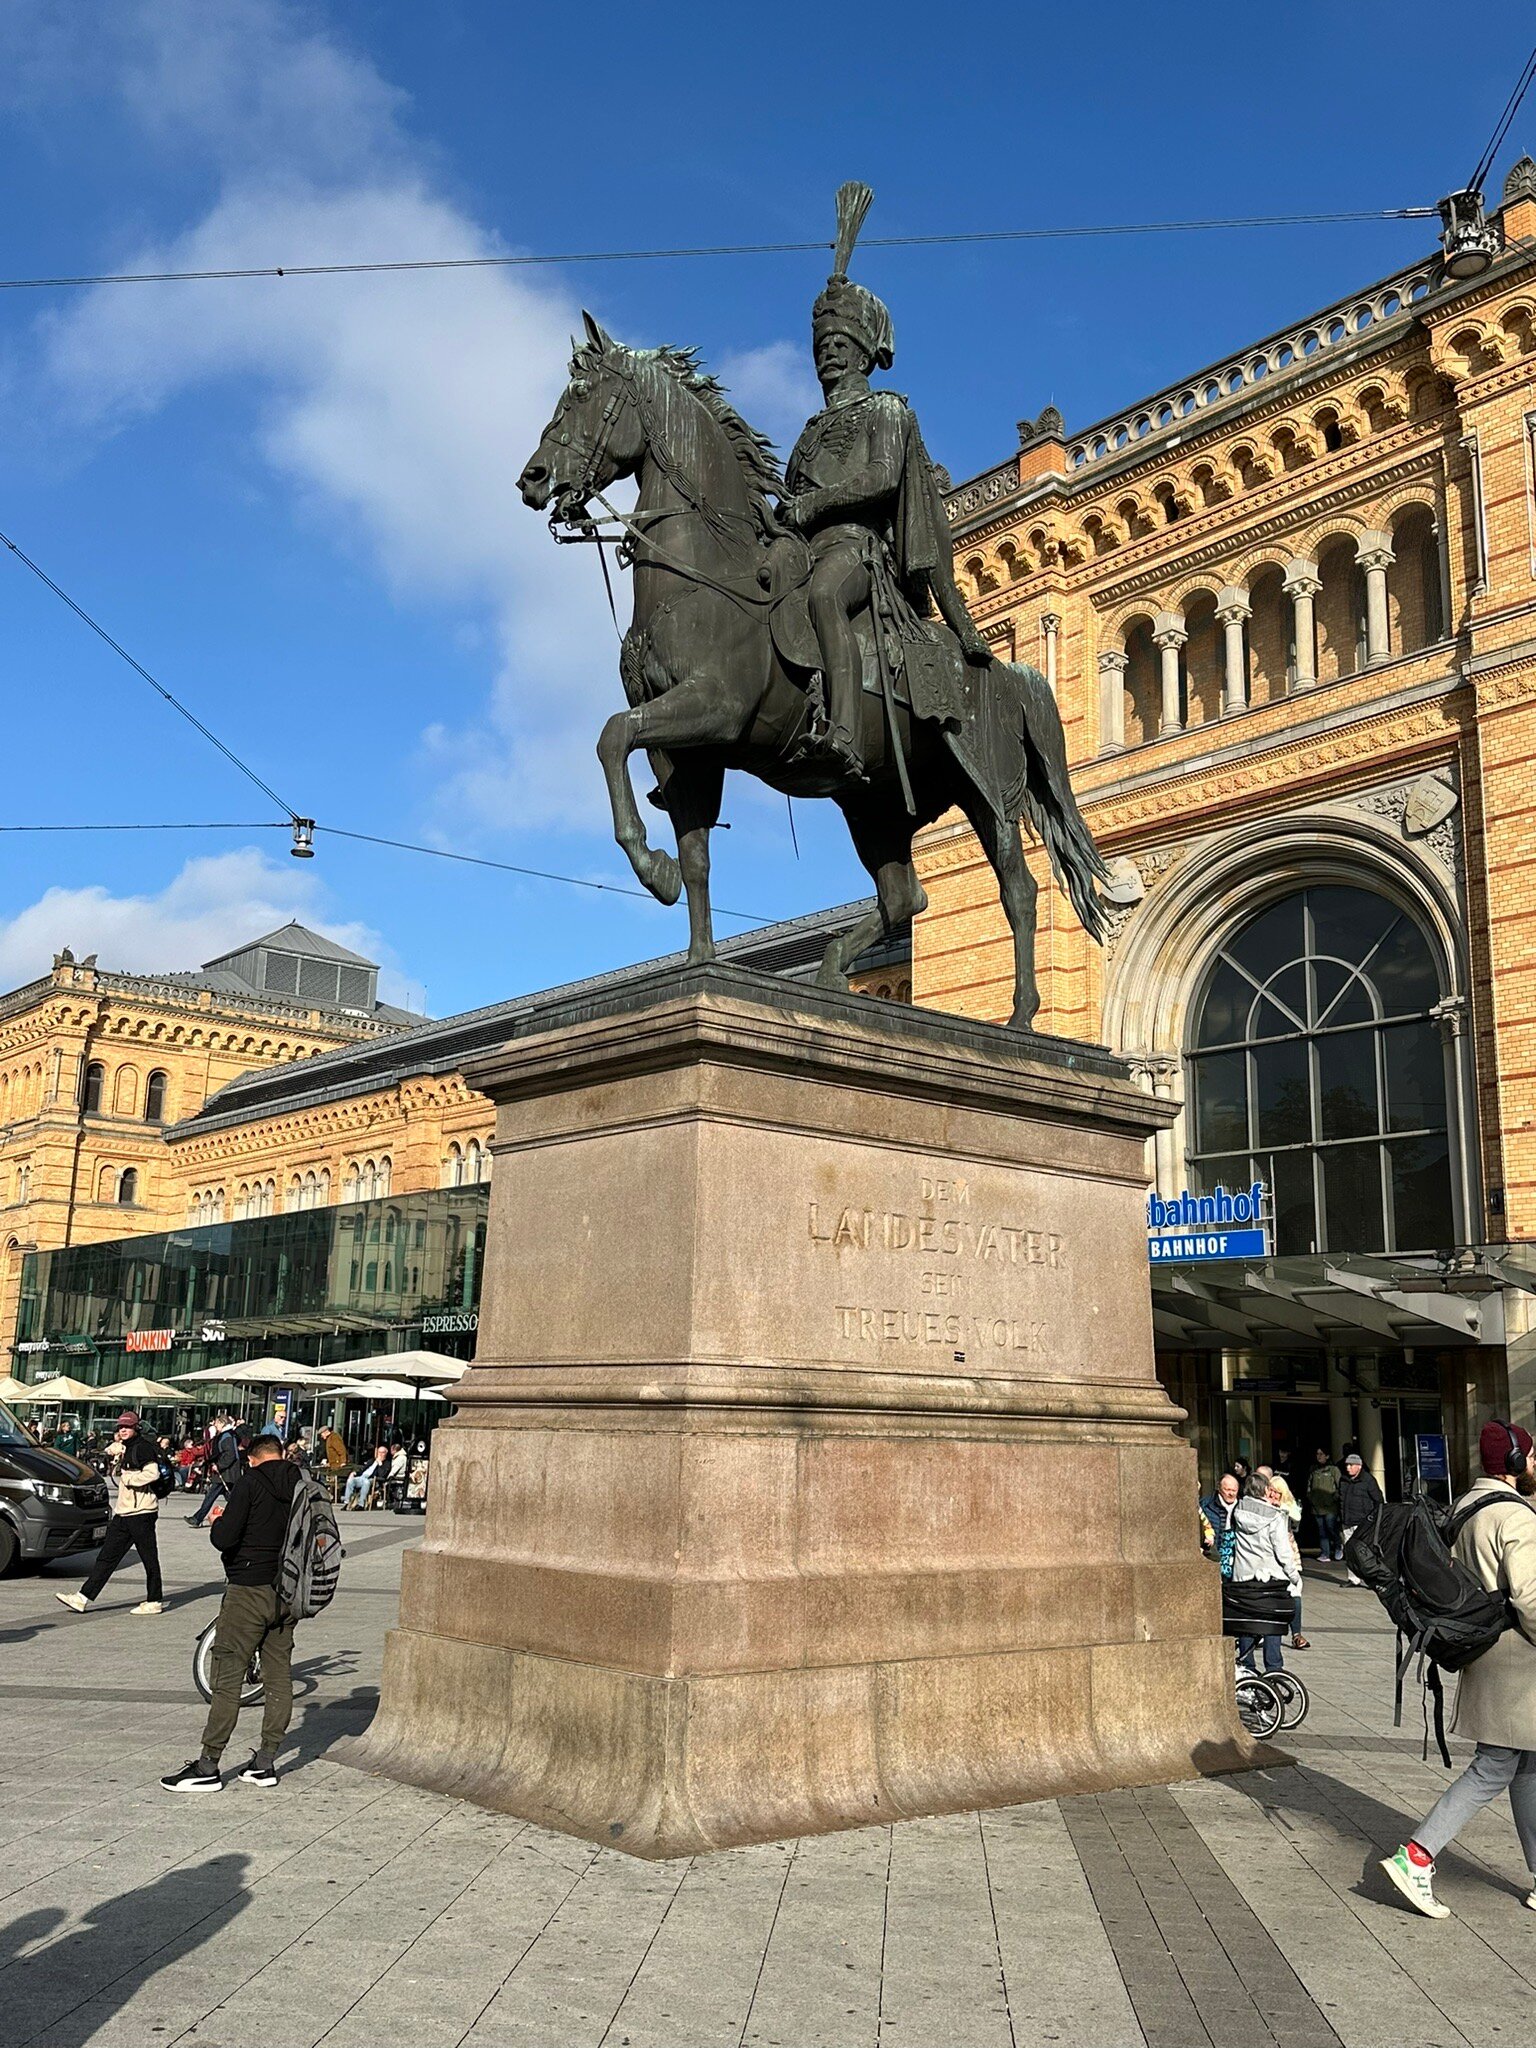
(11, 1431)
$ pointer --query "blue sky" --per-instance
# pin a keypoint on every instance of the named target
(295, 501)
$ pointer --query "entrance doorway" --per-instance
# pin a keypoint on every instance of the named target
(1297, 1430)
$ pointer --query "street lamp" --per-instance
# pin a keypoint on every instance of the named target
(1468, 242)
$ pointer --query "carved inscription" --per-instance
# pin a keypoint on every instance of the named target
(926, 1262)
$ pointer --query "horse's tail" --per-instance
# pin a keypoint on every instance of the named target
(1043, 795)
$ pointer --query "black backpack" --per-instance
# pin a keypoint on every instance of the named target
(1444, 1614)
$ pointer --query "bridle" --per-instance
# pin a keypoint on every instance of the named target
(570, 529)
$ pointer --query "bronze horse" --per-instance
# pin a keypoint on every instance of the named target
(709, 688)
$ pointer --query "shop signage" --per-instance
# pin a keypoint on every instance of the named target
(213, 1333)
(34, 1344)
(148, 1340)
(452, 1322)
(1214, 1226)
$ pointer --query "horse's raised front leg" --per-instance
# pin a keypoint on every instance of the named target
(656, 869)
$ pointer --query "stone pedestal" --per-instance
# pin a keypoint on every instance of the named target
(813, 1470)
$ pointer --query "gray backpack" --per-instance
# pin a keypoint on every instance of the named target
(310, 1565)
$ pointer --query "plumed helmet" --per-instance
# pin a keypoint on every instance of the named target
(848, 308)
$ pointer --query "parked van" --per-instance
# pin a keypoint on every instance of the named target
(50, 1503)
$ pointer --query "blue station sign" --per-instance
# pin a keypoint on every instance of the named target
(1214, 1226)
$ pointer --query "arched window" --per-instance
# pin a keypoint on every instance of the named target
(125, 1091)
(325, 1187)
(1316, 1065)
(351, 1186)
(472, 1163)
(106, 1184)
(242, 1200)
(269, 1199)
(128, 1186)
(218, 1205)
(154, 1097)
(311, 1191)
(384, 1175)
(294, 1198)
(453, 1168)
(24, 1181)
(92, 1082)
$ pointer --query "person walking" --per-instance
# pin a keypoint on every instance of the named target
(249, 1536)
(133, 1523)
(223, 1465)
(1496, 1693)
(1323, 1500)
(1264, 1569)
(1359, 1498)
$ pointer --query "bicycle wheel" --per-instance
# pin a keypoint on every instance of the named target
(1258, 1705)
(202, 1670)
(1294, 1698)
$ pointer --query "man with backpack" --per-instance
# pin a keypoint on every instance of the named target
(1493, 1528)
(143, 1481)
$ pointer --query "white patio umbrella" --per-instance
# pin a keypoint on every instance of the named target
(10, 1387)
(142, 1389)
(389, 1390)
(429, 1368)
(258, 1372)
(69, 1393)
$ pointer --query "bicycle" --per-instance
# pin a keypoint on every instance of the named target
(202, 1670)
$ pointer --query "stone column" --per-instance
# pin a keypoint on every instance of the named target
(1233, 612)
(1169, 637)
(1113, 663)
(1050, 627)
(1372, 1447)
(1341, 1409)
(1375, 558)
(1450, 1014)
(1302, 583)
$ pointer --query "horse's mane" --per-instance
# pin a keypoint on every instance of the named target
(753, 451)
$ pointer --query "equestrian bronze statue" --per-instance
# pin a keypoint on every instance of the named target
(782, 625)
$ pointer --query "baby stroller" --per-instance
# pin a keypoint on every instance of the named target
(1274, 1699)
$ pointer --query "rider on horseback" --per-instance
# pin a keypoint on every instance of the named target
(862, 491)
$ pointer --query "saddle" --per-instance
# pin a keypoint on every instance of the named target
(930, 672)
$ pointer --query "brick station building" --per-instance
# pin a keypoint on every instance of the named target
(1288, 607)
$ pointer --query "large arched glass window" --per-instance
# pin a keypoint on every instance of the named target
(154, 1097)
(91, 1084)
(1317, 1066)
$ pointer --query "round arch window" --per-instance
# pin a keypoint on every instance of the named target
(1315, 1064)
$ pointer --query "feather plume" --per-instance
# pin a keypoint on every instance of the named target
(853, 203)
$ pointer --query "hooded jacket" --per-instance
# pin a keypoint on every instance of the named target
(138, 1467)
(249, 1534)
(1496, 1695)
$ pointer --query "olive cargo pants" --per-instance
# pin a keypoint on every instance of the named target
(248, 1622)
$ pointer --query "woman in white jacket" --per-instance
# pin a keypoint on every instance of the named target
(1262, 1555)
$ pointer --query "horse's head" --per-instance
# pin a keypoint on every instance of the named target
(595, 434)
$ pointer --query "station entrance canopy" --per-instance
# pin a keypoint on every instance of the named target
(1340, 1302)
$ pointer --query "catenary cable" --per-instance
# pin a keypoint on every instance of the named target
(526, 262)
(140, 670)
(1505, 121)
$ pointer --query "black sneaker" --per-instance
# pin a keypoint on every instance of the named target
(259, 1772)
(194, 1777)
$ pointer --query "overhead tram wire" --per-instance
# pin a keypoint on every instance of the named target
(159, 688)
(474, 860)
(1503, 125)
(295, 821)
(534, 261)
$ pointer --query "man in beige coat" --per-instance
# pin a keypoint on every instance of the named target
(1496, 1696)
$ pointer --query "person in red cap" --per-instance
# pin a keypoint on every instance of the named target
(1496, 1694)
(133, 1524)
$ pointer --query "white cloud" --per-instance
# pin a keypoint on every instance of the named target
(775, 388)
(399, 408)
(209, 908)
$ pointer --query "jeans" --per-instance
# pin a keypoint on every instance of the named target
(249, 1621)
(1349, 1574)
(361, 1485)
(216, 1486)
(1491, 1771)
(1246, 1645)
(1327, 1534)
(125, 1533)
(1296, 1616)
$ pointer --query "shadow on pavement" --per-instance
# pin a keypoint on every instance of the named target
(1305, 1789)
(319, 1727)
(72, 1988)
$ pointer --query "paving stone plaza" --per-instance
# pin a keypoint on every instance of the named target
(345, 1910)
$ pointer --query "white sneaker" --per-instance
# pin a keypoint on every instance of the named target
(149, 1607)
(1531, 1902)
(77, 1601)
(1414, 1881)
